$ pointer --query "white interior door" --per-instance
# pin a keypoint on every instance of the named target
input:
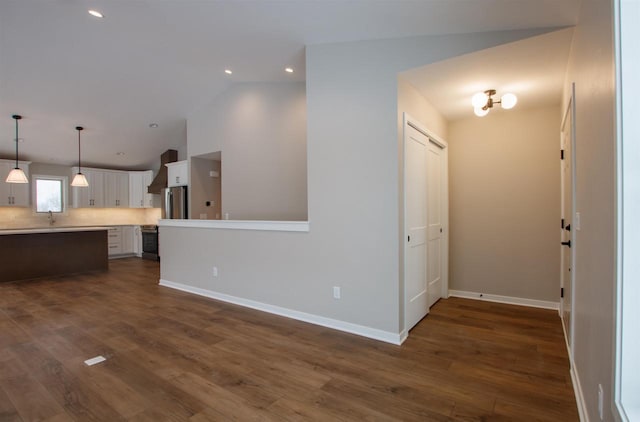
(434, 218)
(415, 185)
(567, 225)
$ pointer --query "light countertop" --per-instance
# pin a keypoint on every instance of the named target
(52, 230)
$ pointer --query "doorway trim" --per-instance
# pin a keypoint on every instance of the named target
(408, 120)
(570, 111)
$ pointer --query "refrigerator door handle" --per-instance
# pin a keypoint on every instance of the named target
(168, 204)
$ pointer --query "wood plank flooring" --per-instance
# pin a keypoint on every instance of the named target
(178, 357)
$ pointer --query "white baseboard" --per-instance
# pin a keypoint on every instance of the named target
(505, 299)
(577, 389)
(361, 330)
(403, 335)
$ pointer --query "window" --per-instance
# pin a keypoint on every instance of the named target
(49, 193)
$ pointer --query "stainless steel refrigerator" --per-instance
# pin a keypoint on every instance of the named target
(174, 203)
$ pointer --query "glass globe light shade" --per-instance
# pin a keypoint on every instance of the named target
(479, 100)
(480, 112)
(508, 101)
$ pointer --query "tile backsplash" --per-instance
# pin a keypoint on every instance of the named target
(20, 218)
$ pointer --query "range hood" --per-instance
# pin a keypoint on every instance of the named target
(160, 181)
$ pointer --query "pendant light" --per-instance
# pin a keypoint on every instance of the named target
(79, 180)
(17, 175)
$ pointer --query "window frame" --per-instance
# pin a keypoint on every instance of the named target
(64, 180)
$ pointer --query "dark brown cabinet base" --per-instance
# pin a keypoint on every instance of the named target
(33, 255)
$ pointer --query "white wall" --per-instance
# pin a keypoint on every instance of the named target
(504, 203)
(410, 101)
(591, 68)
(353, 192)
(261, 130)
(628, 59)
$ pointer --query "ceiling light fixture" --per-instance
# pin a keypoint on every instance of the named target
(17, 175)
(482, 102)
(153, 125)
(228, 71)
(96, 14)
(288, 70)
(79, 180)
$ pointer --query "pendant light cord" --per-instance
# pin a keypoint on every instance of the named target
(16, 117)
(79, 128)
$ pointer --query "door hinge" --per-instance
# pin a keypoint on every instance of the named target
(561, 291)
(562, 223)
(562, 154)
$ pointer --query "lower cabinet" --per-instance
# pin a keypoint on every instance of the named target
(122, 241)
(137, 241)
(114, 238)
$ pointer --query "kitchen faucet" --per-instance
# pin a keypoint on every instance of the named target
(51, 218)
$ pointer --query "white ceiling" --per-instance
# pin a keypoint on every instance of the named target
(157, 61)
(534, 69)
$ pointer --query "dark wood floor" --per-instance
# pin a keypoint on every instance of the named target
(175, 356)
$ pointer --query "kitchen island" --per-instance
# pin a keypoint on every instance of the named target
(45, 252)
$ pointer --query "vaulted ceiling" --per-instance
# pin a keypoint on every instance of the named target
(150, 61)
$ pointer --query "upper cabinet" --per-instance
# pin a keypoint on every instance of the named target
(91, 196)
(13, 194)
(139, 181)
(116, 189)
(107, 189)
(178, 173)
(113, 189)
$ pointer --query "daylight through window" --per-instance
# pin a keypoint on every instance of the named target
(49, 195)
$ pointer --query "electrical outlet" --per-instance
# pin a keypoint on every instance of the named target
(600, 402)
(215, 271)
(336, 292)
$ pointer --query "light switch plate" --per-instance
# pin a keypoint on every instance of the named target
(576, 223)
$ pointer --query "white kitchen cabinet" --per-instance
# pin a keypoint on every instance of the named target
(114, 241)
(122, 241)
(91, 196)
(178, 173)
(137, 241)
(116, 189)
(139, 181)
(107, 189)
(13, 194)
(127, 234)
(148, 197)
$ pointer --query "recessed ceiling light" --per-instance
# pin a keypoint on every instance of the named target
(288, 70)
(153, 125)
(119, 153)
(228, 71)
(96, 14)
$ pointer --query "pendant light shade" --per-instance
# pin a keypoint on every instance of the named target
(79, 180)
(17, 175)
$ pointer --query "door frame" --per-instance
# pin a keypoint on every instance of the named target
(569, 111)
(408, 120)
